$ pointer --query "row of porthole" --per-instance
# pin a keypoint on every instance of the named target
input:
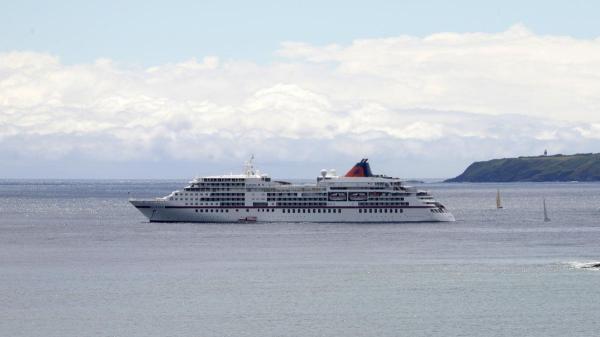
(212, 210)
(381, 210)
(227, 210)
(329, 210)
(317, 210)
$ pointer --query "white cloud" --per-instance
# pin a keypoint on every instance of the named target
(446, 97)
(514, 71)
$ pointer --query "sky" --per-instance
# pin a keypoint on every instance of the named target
(147, 89)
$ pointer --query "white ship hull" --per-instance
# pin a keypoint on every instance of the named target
(156, 211)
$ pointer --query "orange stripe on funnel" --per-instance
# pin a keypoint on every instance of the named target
(361, 169)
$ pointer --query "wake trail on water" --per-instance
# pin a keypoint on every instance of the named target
(592, 265)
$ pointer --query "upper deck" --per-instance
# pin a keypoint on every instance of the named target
(253, 180)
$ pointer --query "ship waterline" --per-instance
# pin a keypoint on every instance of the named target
(358, 196)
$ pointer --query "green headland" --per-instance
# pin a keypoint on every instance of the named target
(577, 167)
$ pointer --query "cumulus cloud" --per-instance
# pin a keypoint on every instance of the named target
(412, 102)
(514, 71)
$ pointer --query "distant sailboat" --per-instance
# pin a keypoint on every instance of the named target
(546, 218)
(498, 201)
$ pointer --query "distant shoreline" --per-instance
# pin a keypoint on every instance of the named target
(583, 167)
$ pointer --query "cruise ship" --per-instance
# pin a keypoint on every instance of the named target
(358, 196)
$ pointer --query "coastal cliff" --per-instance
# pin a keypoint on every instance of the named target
(577, 167)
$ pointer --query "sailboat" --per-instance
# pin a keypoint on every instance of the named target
(498, 201)
(546, 218)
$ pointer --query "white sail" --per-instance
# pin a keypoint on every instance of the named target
(546, 218)
(498, 201)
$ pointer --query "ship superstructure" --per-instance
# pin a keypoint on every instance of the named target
(358, 196)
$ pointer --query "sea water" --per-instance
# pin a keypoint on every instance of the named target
(77, 260)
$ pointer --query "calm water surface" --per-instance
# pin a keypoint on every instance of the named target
(77, 260)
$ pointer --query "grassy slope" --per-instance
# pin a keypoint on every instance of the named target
(578, 167)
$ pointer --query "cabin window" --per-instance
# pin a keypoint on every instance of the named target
(247, 210)
(339, 211)
(359, 210)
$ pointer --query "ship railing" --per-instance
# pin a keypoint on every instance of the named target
(154, 200)
(294, 188)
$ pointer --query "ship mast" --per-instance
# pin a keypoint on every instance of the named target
(249, 167)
